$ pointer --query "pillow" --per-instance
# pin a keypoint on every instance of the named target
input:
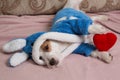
(22, 7)
(99, 5)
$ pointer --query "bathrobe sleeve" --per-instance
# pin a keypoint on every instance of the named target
(84, 49)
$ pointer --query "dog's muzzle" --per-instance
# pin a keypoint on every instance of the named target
(53, 62)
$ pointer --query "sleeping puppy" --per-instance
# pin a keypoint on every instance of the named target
(51, 49)
(51, 53)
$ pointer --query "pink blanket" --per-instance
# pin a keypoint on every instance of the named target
(74, 67)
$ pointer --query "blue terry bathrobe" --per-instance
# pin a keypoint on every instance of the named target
(78, 26)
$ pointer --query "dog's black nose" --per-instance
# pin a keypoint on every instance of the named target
(53, 62)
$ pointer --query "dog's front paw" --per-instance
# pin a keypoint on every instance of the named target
(104, 56)
(96, 29)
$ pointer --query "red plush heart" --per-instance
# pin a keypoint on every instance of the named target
(104, 42)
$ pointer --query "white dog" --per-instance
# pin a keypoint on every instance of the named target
(51, 50)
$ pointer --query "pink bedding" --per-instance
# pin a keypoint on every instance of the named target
(74, 67)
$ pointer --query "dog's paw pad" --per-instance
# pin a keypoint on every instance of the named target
(107, 58)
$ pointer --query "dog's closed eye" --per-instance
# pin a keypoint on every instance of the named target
(46, 46)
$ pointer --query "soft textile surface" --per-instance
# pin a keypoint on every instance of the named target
(99, 5)
(22, 7)
(74, 67)
(32, 7)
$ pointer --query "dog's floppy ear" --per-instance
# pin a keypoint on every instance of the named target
(46, 46)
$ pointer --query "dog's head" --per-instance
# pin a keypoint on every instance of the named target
(51, 48)
(50, 52)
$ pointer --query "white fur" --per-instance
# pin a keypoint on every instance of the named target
(73, 4)
(96, 29)
(14, 45)
(102, 55)
(63, 37)
(18, 58)
(56, 51)
(100, 18)
(68, 51)
(36, 52)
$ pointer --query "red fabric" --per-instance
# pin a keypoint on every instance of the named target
(104, 42)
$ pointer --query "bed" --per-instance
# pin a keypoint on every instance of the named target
(74, 67)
